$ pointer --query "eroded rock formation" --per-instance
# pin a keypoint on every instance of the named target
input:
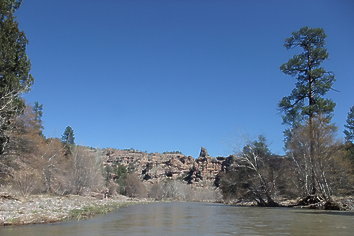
(154, 167)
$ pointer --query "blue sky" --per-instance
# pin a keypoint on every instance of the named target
(158, 75)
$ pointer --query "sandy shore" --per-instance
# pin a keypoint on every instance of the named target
(36, 209)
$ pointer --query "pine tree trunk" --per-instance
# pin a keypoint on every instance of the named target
(311, 116)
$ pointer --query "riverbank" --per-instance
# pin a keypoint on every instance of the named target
(38, 209)
(337, 203)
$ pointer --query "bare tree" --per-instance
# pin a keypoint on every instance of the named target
(319, 143)
(156, 191)
(260, 184)
(253, 175)
(26, 182)
(134, 186)
(54, 167)
(86, 173)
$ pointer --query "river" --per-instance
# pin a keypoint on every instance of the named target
(197, 219)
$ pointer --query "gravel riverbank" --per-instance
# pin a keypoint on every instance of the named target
(36, 209)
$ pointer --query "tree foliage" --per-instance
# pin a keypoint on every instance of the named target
(68, 136)
(259, 147)
(349, 131)
(120, 176)
(15, 77)
(38, 111)
(312, 80)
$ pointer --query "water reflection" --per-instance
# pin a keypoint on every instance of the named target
(198, 219)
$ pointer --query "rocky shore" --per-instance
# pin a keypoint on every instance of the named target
(37, 209)
(337, 203)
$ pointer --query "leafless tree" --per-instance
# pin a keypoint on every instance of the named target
(156, 191)
(134, 186)
(86, 172)
(26, 182)
(260, 184)
(314, 169)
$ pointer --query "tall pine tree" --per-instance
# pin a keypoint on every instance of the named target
(306, 104)
(312, 80)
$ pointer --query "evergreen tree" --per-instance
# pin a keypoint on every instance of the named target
(313, 81)
(306, 104)
(68, 136)
(259, 147)
(38, 112)
(120, 178)
(15, 77)
(349, 131)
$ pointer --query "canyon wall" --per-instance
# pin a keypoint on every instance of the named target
(155, 167)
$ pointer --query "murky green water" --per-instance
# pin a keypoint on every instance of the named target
(198, 219)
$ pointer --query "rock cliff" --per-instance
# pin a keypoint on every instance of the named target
(154, 167)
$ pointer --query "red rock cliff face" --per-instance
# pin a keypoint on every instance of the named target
(154, 167)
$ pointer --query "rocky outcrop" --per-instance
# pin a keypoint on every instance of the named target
(154, 167)
(203, 152)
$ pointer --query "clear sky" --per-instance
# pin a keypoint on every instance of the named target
(166, 75)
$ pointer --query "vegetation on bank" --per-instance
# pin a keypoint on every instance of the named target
(93, 210)
(316, 166)
(36, 209)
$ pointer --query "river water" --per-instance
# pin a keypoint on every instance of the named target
(197, 219)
